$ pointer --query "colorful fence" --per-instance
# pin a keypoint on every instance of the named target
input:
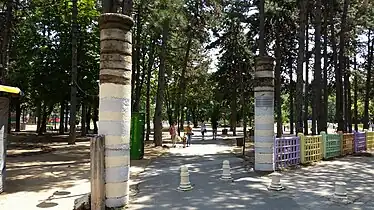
(347, 144)
(286, 152)
(311, 149)
(290, 151)
(331, 145)
(369, 140)
(359, 142)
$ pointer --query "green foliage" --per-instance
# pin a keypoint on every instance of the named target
(41, 53)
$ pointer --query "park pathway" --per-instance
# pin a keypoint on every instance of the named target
(306, 188)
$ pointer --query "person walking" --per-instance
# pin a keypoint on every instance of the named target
(203, 129)
(188, 133)
(173, 134)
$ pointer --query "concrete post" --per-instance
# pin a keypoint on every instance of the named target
(4, 110)
(97, 173)
(115, 104)
(185, 184)
(340, 190)
(275, 182)
(264, 114)
(226, 170)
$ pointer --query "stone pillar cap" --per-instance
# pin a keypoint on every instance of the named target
(115, 20)
(264, 58)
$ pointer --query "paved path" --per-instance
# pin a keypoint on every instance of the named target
(306, 188)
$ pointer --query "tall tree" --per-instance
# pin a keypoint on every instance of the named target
(5, 38)
(370, 45)
(161, 84)
(324, 104)
(339, 71)
(300, 69)
(307, 86)
(262, 28)
(317, 65)
(355, 95)
(278, 67)
(74, 72)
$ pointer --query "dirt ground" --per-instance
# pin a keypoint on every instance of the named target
(45, 168)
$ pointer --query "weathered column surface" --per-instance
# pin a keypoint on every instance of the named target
(115, 104)
(4, 109)
(264, 114)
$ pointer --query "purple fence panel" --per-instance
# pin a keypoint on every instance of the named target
(286, 152)
(360, 141)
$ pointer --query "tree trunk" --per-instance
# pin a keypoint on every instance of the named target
(148, 94)
(317, 67)
(137, 81)
(42, 112)
(66, 116)
(161, 86)
(278, 102)
(339, 71)
(62, 117)
(262, 28)
(4, 44)
(348, 96)
(233, 115)
(355, 95)
(324, 104)
(88, 119)
(182, 83)
(299, 72)
(39, 115)
(46, 112)
(334, 47)
(307, 86)
(291, 89)
(18, 115)
(95, 119)
(73, 96)
(127, 7)
(368, 81)
(83, 119)
(194, 118)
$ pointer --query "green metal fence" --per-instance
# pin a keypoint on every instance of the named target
(331, 145)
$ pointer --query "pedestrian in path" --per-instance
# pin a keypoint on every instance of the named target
(203, 129)
(173, 134)
(188, 133)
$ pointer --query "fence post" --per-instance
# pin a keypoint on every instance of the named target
(97, 173)
(302, 147)
(324, 143)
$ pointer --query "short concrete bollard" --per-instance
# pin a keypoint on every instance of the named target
(275, 182)
(185, 184)
(226, 173)
(340, 195)
(340, 190)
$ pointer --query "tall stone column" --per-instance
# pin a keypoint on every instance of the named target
(4, 111)
(264, 114)
(115, 104)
